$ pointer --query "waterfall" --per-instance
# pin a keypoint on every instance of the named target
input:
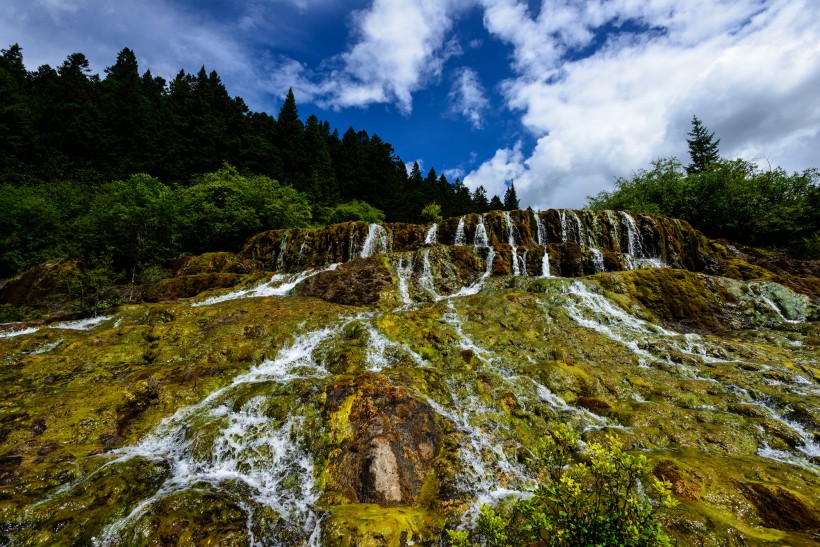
(265, 459)
(426, 279)
(430, 238)
(580, 227)
(375, 242)
(563, 225)
(598, 260)
(613, 223)
(403, 273)
(545, 263)
(634, 242)
(460, 239)
(283, 247)
(540, 229)
(302, 250)
(481, 239)
(511, 242)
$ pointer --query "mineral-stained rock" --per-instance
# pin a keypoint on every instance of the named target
(355, 283)
(387, 441)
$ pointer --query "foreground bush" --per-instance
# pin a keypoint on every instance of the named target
(596, 496)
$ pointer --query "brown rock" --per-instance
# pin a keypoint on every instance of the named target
(389, 441)
(356, 283)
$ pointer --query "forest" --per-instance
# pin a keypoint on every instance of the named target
(130, 170)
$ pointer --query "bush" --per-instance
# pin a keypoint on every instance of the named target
(431, 213)
(354, 211)
(589, 497)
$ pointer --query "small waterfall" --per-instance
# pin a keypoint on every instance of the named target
(523, 260)
(580, 227)
(563, 225)
(598, 260)
(511, 242)
(375, 242)
(460, 239)
(302, 250)
(426, 279)
(403, 273)
(613, 224)
(383, 352)
(540, 229)
(430, 238)
(475, 287)
(481, 239)
(545, 264)
(634, 241)
(283, 247)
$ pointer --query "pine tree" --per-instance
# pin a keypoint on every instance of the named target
(703, 149)
(511, 198)
(496, 204)
(480, 202)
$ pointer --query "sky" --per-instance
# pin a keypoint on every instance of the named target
(561, 96)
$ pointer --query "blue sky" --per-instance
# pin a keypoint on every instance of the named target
(561, 96)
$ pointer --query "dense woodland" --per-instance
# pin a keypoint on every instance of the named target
(128, 171)
(85, 161)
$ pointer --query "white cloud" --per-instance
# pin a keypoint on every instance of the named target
(467, 97)
(400, 46)
(507, 164)
(748, 69)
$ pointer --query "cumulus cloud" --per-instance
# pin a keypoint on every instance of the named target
(746, 68)
(399, 46)
(467, 97)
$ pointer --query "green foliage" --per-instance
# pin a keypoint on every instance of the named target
(355, 211)
(583, 497)
(731, 199)
(703, 148)
(431, 213)
(511, 198)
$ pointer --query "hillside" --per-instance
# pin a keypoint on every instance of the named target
(372, 384)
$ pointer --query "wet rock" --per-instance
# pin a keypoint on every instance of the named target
(387, 441)
(355, 283)
(186, 286)
(682, 485)
(779, 508)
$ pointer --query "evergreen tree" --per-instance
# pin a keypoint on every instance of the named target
(480, 202)
(290, 136)
(511, 198)
(703, 148)
(496, 204)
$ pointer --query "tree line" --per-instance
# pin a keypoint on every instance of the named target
(67, 124)
(732, 199)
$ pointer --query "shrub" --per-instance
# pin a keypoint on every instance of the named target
(592, 496)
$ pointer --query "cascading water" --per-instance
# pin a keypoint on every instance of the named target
(430, 237)
(376, 241)
(277, 285)
(249, 453)
(481, 239)
(460, 238)
(404, 270)
(511, 241)
(541, 236)
(634, 241)
(283, 247)
(579, 227)
(598, 259)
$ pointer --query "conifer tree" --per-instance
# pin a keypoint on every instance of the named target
(703, 148)
(480, 202)
(496, 204)
(511, 198)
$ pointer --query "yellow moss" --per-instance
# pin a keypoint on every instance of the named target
(339, 422)
(369, 525)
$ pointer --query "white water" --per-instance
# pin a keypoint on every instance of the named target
(375, 242)
(540, 230)
(21, 332)
(613, 224)
(383, 353)
(249, 447)
(404, 270)
(580, 227)
(283, 247)
(430, 237)
(82, 324)
(460, 239)
(480, 239)
(635, 243)
(545, 264)
(277, 285)
(598, 260)
(511, 241)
